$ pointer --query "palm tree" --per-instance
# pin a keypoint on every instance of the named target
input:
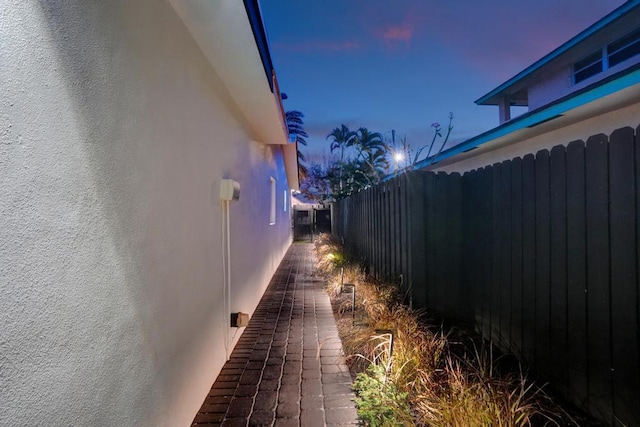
(368, 140)
(342, 138)
(378, 162)
(295, 124)
(372, 150)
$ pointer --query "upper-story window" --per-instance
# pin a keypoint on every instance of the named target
(587, 67)
(610, 55)
(624, 48)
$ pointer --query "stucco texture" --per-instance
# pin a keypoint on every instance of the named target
(114, 134)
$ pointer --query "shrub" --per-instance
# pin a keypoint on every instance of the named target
(379, 401)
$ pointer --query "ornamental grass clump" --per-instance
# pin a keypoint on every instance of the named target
(407, 373)
(473, 390)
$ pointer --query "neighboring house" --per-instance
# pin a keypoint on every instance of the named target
(118, 121)
(589, 85)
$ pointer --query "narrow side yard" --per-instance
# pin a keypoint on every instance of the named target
(287, 369)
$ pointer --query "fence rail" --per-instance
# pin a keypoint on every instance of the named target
(539, 254)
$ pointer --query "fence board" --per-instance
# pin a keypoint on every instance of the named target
(431, 233)
(505, 256)
(374, 232)
(384, 227)
(486, 178)
(397, 239)
(368, 215)
(516, 257)
(441, 285)
(388, 231)
(469, 239)
(558, 265)
(598, 297)
(406, 235)
(385, 231)
(380, 230)
(392, 229)
(624, 289)
(361, 222)
(542, 256)
(576, 275)
(528, 258)
(404, 247)
(453, 302)
(374, 241)
(495, 284)
(418, 229)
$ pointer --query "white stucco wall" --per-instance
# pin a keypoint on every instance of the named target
(554, 80)
(114, 134)
(552, 85)
(557, 83)
(582, 130)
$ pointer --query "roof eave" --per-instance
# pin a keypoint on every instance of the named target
(490, 97)
(226, 33)
(616, 83)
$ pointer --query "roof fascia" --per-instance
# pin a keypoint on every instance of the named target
(257, 27)
(611, 17)
(607, 87)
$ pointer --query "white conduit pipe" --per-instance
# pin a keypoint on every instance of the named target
(228, 286)
(226, 275)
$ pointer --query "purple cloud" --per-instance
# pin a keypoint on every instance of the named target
(398, 33)
(495, 37)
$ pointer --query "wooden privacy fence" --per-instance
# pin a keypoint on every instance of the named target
(539, 254)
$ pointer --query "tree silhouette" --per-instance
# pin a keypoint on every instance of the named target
(372, 151)
(295, 124)
(342, 138)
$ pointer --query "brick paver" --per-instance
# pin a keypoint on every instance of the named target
(287, 368)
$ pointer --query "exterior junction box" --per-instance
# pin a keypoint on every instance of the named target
(239, 320)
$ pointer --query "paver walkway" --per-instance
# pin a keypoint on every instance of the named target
(287, 368)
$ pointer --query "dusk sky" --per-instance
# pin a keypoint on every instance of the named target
(405, 64)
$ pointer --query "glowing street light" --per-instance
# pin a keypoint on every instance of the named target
(398, 157)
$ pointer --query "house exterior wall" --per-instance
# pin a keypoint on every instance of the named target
(553, 85)
(604, 123)
(557, 83)
(114, 134)
(554, 81)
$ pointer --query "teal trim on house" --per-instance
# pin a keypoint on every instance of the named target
(616, 14)
(609, 86)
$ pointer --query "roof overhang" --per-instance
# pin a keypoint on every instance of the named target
(291, 165)
(232, 38)
(617, 91)
(516, 82)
